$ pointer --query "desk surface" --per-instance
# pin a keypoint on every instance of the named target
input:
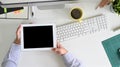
(87, 48)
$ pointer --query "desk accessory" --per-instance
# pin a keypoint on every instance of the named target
(117, 28)
(7, 10)
(111, 47)
(14, 13)
(76, 13)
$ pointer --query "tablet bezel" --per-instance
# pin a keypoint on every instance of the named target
(31, 25)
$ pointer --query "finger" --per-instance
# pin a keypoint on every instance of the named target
(102, 3)
(18, 32)
(105, 2)
(58, 44)
(99, 5)
(57, 51)
(18, 29)
(53, 49)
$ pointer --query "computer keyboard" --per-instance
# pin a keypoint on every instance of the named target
(76, 29)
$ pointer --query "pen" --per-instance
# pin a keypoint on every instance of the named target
(5, 11)
(117, 28)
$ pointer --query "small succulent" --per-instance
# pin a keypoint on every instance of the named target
(116, 6)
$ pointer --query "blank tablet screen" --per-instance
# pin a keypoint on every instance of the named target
(38, 37)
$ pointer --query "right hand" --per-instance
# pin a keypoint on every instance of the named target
(103, 3)
(59, 49)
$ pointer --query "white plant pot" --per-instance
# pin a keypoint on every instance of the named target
(112, 10)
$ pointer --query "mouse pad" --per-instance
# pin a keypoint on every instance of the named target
(111, 47)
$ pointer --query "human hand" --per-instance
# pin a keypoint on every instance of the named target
(103, 3)
(17, 39)
(59, 49)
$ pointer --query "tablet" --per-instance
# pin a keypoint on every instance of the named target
(38, 36)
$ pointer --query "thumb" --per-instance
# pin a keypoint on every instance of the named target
(55, 49)
(60, 46)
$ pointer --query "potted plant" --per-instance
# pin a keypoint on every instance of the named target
(116, 6)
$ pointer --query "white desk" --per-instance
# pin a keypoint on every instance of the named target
(87, 48)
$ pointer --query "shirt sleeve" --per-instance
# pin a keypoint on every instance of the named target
(71, 61)
(11, 59)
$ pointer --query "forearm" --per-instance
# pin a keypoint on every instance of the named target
(71, 61)
(11, 59)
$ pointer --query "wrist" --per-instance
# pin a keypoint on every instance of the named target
(16, 44)
(17, 41)
(65, 52)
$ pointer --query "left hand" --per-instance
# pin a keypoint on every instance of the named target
(18, 33)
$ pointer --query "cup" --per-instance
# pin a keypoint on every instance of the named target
(76, 14)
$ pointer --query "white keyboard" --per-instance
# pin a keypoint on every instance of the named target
(76, 29)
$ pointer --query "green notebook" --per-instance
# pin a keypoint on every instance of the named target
(111, 47)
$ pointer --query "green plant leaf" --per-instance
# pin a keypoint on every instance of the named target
(116, 6)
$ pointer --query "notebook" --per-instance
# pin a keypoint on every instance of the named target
(111, 47)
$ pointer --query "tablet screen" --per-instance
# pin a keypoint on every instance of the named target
(38, 37)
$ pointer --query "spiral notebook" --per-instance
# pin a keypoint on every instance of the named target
(111, 47)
